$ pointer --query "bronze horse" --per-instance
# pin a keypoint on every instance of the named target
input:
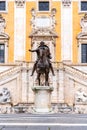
(43, 66)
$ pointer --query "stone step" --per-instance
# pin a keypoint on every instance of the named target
(43, 118)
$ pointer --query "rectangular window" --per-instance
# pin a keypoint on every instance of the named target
(3, 6)
(43, 6)
(84, 53)
(2, 53)
(83, 5)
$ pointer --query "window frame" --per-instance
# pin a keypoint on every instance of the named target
(43, 10)
(82, 54)
(80, 11)
(6, 7)
(4, 52)
(80, 43)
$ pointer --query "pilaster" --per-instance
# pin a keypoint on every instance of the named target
(19, 30)
(24, 84)
(66, 30)
(61, 84)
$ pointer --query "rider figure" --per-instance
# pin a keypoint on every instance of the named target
(42, 45)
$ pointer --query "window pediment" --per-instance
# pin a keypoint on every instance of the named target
(83, 23)
(4, 36)
(82, 36)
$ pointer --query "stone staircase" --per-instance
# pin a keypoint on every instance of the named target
(9, 72)
(69, 82)
(75, 73)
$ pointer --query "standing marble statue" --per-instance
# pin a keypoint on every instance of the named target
(43, 64)
(5, 96)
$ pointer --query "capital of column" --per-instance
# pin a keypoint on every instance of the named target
(20, 3)
(66, 3)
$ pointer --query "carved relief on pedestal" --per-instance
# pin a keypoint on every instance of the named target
(20, 3)
(66, 3)
(5, 96)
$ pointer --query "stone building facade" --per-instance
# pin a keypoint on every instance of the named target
(62, 25)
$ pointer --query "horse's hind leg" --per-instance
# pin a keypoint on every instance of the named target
(38, 78)
(46, 79)
(52, 69)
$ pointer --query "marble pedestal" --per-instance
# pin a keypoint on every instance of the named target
(42, 102)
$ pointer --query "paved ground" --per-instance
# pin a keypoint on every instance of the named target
(43, 122)
(43, 118)
(42, 128)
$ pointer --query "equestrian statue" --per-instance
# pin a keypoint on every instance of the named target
(43, 64)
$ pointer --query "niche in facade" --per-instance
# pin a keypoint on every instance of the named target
(43, 29)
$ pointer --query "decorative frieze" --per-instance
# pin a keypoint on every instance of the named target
(2, 24)
(33, 13)
(43, 32)
(66, 3)
(53, 13)
(82, 36)
(20, 3)
(37, 21)
(83, 23)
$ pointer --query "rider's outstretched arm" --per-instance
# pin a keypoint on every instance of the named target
(32, 50)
